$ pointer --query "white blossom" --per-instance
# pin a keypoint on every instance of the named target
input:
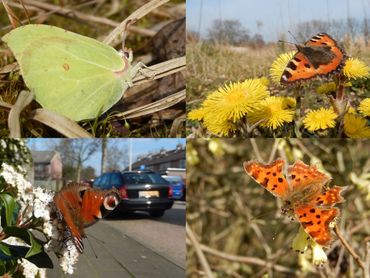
(30, 270)
(319, 257)
(38, 203)
(69, 258)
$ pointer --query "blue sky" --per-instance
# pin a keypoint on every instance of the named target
(277, 16)
(139, 146)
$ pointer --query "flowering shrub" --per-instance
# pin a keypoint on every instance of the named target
(28, 213)
(255, 107)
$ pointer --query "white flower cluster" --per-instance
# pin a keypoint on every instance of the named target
(37, 203)
(33, 201)
(69, 257)
(30, 270)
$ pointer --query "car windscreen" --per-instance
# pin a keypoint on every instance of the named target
(108, 181)
(173, 179)
(140, 178)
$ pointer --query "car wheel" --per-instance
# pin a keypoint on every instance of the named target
(156, 213)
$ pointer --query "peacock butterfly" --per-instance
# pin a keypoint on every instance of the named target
(80, 206)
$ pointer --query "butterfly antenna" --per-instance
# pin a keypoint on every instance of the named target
(92, 248)
(293, 36)
(286, 42)
(263, 214)
(125, 32)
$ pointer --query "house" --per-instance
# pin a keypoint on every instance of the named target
(47, 169)
(162, 160)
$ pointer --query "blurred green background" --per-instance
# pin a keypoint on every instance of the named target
(229, 214)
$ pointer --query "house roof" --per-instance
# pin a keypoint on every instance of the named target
(161, 157)
(42, 156)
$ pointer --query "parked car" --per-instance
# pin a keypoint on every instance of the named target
(178, 187)
(139, 190)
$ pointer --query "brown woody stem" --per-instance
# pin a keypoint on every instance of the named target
(348, 247)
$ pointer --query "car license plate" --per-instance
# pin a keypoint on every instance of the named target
(148, 194)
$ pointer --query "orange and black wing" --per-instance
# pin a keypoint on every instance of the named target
(320, 56)
(270, 176)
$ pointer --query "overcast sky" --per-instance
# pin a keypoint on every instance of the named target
(277, 16)
(140, 146)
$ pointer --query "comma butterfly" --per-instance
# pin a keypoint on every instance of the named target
(80, 206)
(320, 56)
(303, 192)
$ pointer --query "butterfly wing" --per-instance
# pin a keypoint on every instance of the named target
(315, 219)
(82, 206)
(269, 176)
(96, 204)
(320, 56)
(315, 222)
(68, 201)
(302, 176)
(330, 197)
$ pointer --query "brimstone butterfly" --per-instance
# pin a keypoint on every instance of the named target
(73, 75)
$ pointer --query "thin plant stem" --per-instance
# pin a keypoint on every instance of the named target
(349, 248)
(298, 112)
(202, 258)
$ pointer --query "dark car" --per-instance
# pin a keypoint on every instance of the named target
(139, 190)
(178, 187)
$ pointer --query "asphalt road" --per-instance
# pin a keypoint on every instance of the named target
(164, 235)
(133, 246)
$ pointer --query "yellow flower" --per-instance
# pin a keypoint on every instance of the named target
(301, 241)
(197, 114)
(351, 110)
(356, 126)
(278, 66)
(217, 125)
(322, 118)
(264, 80)
(233, 101)
(275, 111)
(354, 68)
(326, 88)
(365, 107)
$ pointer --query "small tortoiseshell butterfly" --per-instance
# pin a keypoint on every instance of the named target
(320, 56)
(80, 206)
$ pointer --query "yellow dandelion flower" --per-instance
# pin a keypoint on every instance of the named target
(218, 125)
(356, 126)
(275, 111)
(264, 80)
(326, 88)
(197, 114)
(278, 66)
(351, 110)
(354, 68)
(322, 118)
(365, 107)
(235, 100)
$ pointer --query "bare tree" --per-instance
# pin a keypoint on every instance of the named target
(75, 152)
(228, 32)
(117, 156)
(103, 156)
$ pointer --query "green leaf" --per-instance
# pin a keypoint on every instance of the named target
(27, 237)
(4, 249)
(2, 268)
(73, 75)
(36, 247)
(41, 260)
(8, 203)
